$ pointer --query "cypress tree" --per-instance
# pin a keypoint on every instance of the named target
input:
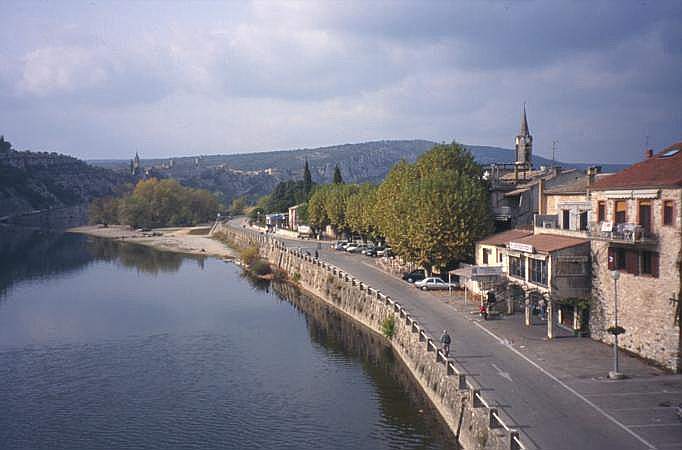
(307, 178)
(338, 179)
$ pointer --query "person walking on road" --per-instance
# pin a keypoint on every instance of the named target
(445, 340)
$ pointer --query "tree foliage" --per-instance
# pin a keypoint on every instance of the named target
(338, 179)
(155, 203)
(307, 179)
(433, 211)
(360, 212)
(285, 195)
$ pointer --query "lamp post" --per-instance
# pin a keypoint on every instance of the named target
(615, 374)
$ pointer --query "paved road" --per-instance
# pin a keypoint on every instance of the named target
(555, 411)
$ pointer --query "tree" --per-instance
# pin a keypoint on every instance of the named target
(338, 179)
(238, 206)
(433, 211)
(155, 203)
(360, 215)
(307, 179)
(5, 146)
(286, 194)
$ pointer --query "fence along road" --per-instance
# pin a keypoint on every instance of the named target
(551, 413)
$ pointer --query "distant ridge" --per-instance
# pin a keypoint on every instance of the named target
(255, 174)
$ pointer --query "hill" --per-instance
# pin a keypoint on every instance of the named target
(41, 180)
(255, 174)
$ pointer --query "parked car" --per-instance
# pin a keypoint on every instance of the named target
(433, 283)
(413, 276)
(368, 248)
(384, 251)
(339, 245)
(371, 252)
(355, 248)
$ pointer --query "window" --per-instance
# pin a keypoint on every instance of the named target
(633, 262)
(645, 214)
(617, 258)
(668, 213)
(601, 211)
(486, 254)
(566, 219)
(650, 263)
(538, 271)
(517, 266)
(583, 220)
(499, 256)
(570, 268)
(620, 209)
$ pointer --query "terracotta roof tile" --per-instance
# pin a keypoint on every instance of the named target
(504, 237)
(659, 170)
(547, 243)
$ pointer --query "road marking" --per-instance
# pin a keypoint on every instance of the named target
(651, 425)
(502, 373)
(623, 394)
(569, 389)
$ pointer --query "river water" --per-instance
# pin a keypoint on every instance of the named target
(106, 345)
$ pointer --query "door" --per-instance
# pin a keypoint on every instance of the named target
(645, 214)
(566, 219)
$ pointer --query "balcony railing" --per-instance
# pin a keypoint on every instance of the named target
(626, 233)
(502, 212)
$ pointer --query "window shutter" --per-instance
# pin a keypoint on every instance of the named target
(612, 258)
(654, 264)
(632, 262)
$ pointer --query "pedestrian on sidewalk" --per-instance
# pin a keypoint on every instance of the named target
(543, 309)
(317, 254)
(445, 340)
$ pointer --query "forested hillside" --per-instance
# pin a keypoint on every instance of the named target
(41, 180)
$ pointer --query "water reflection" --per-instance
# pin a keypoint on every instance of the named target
(178, 356)
(404, 405)
(27, 254)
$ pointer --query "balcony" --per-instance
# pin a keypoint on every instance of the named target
(550, 224)
(621, 233)
(502, 213)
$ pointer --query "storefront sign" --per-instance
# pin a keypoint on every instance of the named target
(519, 247)
(483, 271)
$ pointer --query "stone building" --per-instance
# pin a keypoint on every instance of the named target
(636, 230)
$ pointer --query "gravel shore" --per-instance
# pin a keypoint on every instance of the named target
(191, 240)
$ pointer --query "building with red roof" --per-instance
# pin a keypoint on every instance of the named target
(636, 231)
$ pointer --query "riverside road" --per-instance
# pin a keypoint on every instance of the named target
(556, 407)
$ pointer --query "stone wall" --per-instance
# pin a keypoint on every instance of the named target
(648, 307)
(457, 397)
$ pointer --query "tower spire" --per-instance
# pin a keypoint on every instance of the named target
(524, 122)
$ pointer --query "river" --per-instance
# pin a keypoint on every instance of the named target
(105, 345)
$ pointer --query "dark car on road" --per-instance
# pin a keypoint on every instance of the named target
(413, 276)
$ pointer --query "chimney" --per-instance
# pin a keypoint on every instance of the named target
(649, 153)
(592, 174)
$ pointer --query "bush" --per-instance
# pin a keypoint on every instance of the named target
(248, 255)
(388, 327)
(297, 277)
(261, 267)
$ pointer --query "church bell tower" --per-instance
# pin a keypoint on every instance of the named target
(524, 143)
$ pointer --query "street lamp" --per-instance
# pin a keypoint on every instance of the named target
(615, 374)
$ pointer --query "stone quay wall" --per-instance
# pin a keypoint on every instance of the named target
(475, 423)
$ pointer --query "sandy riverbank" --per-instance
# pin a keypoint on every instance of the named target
(179, 240)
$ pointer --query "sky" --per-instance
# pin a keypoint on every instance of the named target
(98, 79)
